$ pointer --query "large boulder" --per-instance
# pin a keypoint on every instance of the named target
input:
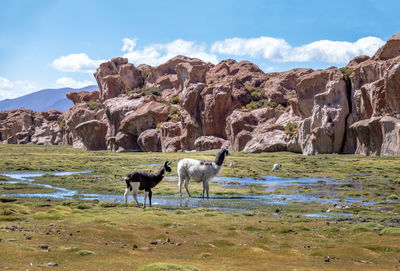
(83, 96)
(391, 136)
(149, 141)
(145, 117)
(369, 136)
(117, 108)
(93, 134)
(74, 116)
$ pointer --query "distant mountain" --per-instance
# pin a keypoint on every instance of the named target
(44, 100)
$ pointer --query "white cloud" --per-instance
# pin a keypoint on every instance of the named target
(129, 45)
(11, 90)
(159, 53)
(279, 50)
(76, 63)
(72, 83)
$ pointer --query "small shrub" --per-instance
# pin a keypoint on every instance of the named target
(83, 206)
(94, 105)
(166, 266)
(391, 231)
(107, 204)
(84, 253)
(174, 113)
(346, 71)
(174, 100)
(62, 124)
(291, 128)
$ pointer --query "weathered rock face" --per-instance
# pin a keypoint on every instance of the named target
(170, 136)
(145, 117)
(116, 109)
(204, 143)
(390, 50)
(74, 116)
(323, 131)
(375, 86)
(116, 77)
(123, 143)
(369, 136)
(281, 86)
(92, 134)
(47, 134)
(83, 96)
(149, 141)
(241, 124)
(390, 135)
(15, 121)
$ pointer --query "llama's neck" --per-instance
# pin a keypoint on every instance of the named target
(219, 159)
(159, 175)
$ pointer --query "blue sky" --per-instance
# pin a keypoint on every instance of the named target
(50, 44)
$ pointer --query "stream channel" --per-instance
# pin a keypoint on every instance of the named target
(327, 193)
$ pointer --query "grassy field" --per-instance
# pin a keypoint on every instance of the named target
(90, 235)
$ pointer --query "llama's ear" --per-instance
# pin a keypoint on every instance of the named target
(167, 163)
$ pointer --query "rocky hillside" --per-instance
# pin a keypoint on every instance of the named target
(187, 104)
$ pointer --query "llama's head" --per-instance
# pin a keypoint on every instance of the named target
(225, 149)
(167, 167)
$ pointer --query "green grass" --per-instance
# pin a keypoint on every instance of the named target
(208, 239)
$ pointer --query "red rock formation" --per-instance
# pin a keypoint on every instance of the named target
(204, 143)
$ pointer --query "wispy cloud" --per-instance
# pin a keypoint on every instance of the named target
(278, 50)
(156, 54)
(72, 83)
(76, 63)
(12, 89)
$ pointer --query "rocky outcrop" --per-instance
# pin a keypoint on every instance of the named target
(186, 104)
(323, 127)
(74, 116)
(117, 76)
(15, 121)
(204, 143)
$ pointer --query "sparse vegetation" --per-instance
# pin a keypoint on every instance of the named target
(174, 100)
(94, 105)
(291, 128)
(174, 113)
(346, 71)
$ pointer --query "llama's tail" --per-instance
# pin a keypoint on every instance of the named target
(128, 183)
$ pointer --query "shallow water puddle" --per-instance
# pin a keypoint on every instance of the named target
(236, 202)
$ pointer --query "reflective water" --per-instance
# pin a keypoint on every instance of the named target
(235, 202)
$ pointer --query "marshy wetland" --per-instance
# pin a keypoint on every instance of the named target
(62, 208)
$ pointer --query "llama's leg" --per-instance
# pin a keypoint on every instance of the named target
(207, 188)
(145, 197)
(180, 184)
(126, 196)
(135, 187)
(150, 194)
(204, 188)
(187, 186)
